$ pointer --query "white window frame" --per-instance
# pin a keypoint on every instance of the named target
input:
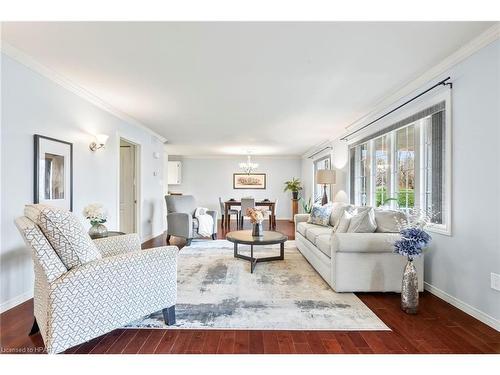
(443, 95)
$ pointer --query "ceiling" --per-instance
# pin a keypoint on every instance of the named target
(215, 88)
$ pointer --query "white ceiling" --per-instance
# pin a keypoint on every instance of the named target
(224, 88)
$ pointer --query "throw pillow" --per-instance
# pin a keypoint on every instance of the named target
(338, 209)
(362, 221)
(389, 221)
(343, 223)
(65, 234)
(320, 215)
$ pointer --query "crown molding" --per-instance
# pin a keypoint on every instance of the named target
(234, 157)
(67, 84)
(481, 41)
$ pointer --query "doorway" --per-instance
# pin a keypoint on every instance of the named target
(128, 186)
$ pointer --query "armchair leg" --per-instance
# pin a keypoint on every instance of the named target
(188, 241)
(168, 238)
(214, 236)
(169, 315)
(34, 329)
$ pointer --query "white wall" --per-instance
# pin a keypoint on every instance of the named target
(210, 178)
(33, 104)
(458, 267)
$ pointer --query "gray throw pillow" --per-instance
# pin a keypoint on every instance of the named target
(362, 221)
(338, 209)
(389, 221)
(343, 224)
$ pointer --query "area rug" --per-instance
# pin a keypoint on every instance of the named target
(217, 291)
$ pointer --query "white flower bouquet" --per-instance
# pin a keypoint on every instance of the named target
(96, 213)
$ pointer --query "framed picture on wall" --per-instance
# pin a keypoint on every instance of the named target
(53, 172)
(249, 181)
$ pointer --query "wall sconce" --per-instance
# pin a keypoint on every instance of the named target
(100, 141)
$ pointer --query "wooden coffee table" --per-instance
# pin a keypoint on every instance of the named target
(245, 237)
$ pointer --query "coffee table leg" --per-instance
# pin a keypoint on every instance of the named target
(282, 250)
(253, 261)
(235, 249)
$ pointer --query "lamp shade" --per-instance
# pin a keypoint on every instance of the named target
(325, 176)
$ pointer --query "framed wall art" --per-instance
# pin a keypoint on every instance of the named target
(249, 181)
(53, 172)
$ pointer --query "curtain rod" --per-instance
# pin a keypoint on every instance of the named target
(317, 152)
(440, 83)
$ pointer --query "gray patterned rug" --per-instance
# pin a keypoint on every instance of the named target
(217, 291)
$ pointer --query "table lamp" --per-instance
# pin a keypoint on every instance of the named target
(325, 177)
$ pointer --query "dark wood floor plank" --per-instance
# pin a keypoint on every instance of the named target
(226, 345)
(242, 342)
(211, 342)
(437, 328)
(256, 342)
(168, 341)
(285, 342)
(181, 342)
(118, 346)
(108, 340)
(271, 345)
(152, 342)
(137, 342)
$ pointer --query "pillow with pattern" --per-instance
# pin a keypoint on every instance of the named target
(320, 215)
(65, 234)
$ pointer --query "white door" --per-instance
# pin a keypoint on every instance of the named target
(127, 189)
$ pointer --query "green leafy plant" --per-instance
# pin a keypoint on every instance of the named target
(307, 205)
(294, 185)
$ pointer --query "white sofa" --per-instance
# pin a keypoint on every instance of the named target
(353, 262)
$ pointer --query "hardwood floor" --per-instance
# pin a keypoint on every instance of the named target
(437, 328)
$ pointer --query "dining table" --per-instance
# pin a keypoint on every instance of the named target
(262, 203)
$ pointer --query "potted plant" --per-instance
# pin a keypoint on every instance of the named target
(294, 185)
(97, 216)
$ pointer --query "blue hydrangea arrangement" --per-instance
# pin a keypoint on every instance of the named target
(413, 241)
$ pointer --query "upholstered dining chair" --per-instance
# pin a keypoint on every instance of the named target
(229, 213)
(84, 288)
(246, 203)
(180, 218)
(269, 214)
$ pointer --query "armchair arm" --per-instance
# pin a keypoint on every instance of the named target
(299, 218)
(214, 215)
(180, 224)
(363, 242)
(110, 246)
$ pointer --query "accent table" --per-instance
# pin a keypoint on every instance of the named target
(245, 237)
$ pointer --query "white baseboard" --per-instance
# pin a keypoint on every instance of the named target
(7, 305)
(472, 311)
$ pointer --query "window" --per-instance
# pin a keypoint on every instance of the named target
(322, 163)
(404, 166)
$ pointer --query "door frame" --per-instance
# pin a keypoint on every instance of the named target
(138, 183)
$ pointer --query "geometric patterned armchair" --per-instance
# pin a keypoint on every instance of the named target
(84, 288)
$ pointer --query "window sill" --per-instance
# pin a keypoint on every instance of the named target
(439, 229)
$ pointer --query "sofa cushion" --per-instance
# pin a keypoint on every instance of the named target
(316, 230)
(338, 209)
(323, 243)
(65, 234)
(362, 221)
(320, 215)
(302, 228)
(389, 221)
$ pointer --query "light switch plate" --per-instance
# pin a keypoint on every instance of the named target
(495, 281)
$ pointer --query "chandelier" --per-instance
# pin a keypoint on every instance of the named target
(248, 166)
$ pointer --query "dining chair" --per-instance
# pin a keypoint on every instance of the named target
(269, 214)
(230, 212)
(245, 204)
